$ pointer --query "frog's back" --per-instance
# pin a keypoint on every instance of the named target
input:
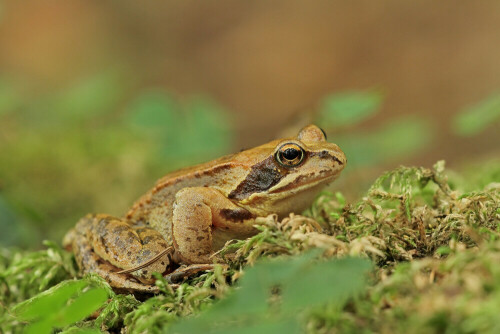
(162, 195)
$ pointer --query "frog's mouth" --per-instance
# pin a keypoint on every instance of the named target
(304, 182)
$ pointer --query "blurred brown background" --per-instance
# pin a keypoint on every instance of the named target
(262, 61)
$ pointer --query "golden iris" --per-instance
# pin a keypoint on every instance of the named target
(290, 155)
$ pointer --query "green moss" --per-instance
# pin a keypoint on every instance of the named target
(434, 244)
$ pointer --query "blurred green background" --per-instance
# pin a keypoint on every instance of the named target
(100, 99)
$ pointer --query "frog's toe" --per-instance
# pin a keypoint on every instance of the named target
(187, 271)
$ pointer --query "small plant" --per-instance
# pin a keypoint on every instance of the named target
(60, 306)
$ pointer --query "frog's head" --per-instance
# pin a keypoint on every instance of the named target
(285, 174)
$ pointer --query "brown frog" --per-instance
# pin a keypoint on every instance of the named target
(191, 213)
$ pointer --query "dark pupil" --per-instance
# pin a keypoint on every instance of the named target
(290, 154)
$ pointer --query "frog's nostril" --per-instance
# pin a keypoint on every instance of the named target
(324, 154)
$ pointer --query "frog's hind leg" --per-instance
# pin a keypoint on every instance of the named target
(89, 262)
(103, 243)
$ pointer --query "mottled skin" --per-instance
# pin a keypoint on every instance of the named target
(194, 211)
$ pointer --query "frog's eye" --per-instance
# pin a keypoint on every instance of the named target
(290, 155)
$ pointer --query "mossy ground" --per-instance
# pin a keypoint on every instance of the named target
(433, 239)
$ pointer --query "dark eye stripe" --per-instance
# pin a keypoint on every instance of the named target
(262, 176)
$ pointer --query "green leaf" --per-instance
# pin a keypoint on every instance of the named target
(209, 128)
(154, 111)
(50, 309)
(323, 282)
(89, 96)
(472, 120)
(48, 301)
(256, 286)
(188, 131)
(81, 307)
(267, 326)
(401, 137)
(40, 327)
(302, 281)
(348, 108)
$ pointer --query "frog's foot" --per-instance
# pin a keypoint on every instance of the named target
(187, 271)
(111, 247)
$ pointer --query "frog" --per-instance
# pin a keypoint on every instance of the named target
(190, 214)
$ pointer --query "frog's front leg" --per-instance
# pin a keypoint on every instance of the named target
(203, 220)
(103, 243)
